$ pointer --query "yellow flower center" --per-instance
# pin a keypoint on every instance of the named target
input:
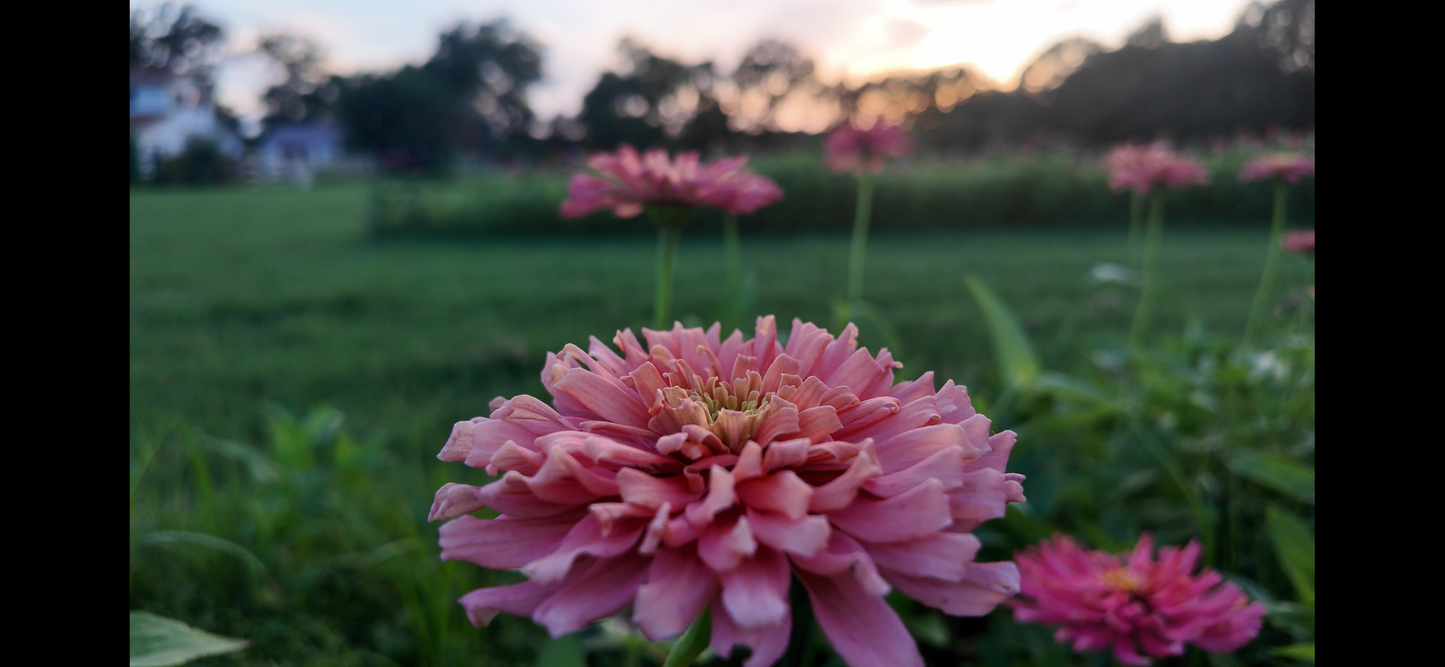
(1121, 578)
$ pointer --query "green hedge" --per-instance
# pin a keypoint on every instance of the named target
(1047, 189)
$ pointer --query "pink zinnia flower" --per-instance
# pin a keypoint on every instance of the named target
(1299, 242)
(630, 182)
(851, 149)
(1290, 167)
(1144, 168)
(695, 471)
(1143, 606)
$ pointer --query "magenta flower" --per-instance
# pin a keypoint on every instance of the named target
(630, 182)
(1289, 167)
(1134, 607)
(1299, 242)
(696, 471)
(1143, 168)
(852, 149)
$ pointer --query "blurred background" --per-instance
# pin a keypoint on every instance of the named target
(344, 238)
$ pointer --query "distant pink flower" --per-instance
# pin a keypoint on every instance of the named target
(1299, 242)
(1141, 606)
(1143, 168)
(1288, 166)
(695, 471)
(630, 182)
(851, 149)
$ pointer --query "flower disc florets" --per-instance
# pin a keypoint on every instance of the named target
(701, 472)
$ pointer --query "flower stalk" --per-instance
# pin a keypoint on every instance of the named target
(1271, 264)
(1148, 278)
(670, 221)
(859, 248)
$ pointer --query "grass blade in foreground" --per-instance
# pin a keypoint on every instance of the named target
(157, 641)
(1016, 359)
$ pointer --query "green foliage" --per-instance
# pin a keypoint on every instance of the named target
(240, 300)
(201, 163)
(1295, 548)
(156, 641)
(1049, 189)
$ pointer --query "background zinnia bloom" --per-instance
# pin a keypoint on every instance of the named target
(1143, 168)
(696, 471)
(851, 149)
(1137, 608)
(630, 182)
(1299, 242)
(1290, 167)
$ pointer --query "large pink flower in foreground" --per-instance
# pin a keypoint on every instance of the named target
(1137, 608)
(852, 149)
(630, 182)
(1143, 168)
(697, 471)
(1289, 167)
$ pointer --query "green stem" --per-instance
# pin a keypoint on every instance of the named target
(1271, 265)
(802, 652)
(732, 252)
(860, 238)
(1148, 280)
(668, 234)
(692, 643)
(1136, 222)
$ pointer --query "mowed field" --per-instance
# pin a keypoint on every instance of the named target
(240, 297)
(246, 300)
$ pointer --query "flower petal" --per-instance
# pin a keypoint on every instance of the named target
(920, 511)
(780, 492)
(678, 587)
(606, 587)
(504, 543)
(983, 587)
(603, 398)
(585, 538)
(755, 593)
(768, 643)
(862, 628)
(943, 556)
(804, 537)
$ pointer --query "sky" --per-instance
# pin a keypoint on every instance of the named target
(848, 39)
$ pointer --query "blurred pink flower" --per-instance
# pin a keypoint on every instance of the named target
(1299, 242)
(1288, 166)
(1145, 606)
(1145, 167)
(695, 471)
(851, 149)
(629, 182)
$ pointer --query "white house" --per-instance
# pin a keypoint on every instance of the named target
(166, 110)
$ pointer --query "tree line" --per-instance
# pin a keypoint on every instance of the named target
(469, 99)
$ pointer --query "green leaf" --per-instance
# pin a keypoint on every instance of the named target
(1294, 546)
(206, 541)
(1278, 472)
(156, 641)
(562, 652)
(693, 642)
(1011, 348)
(1073, 389)
(1305, 652)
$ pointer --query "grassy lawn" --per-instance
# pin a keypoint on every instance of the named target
(245, 298)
